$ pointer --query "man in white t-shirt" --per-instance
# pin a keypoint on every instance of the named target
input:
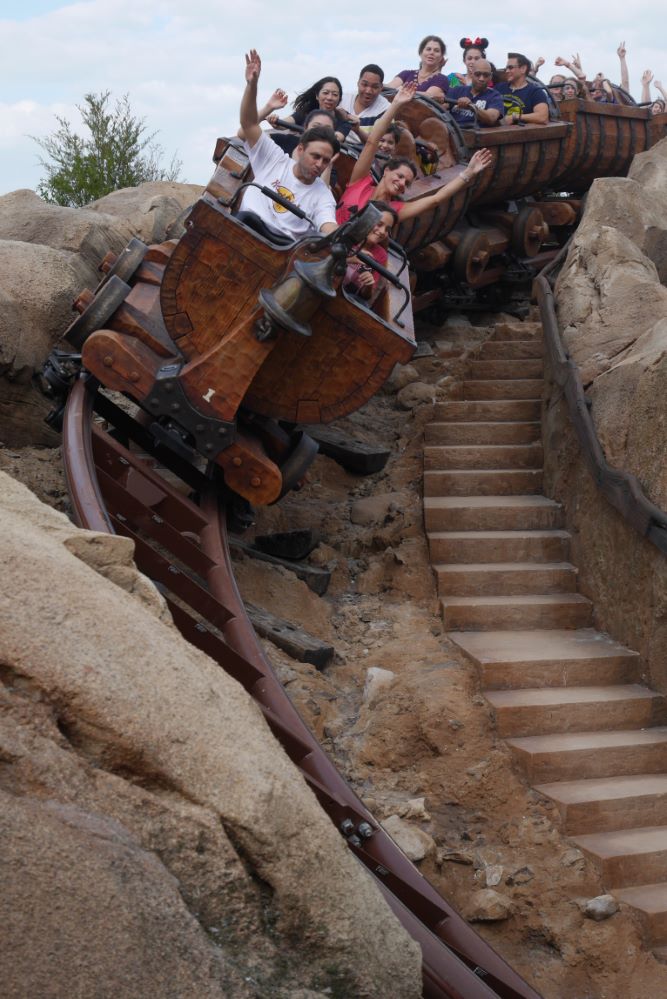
(296, 179)
(368, 103)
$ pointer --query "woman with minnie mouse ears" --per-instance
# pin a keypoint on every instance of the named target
(473, 49)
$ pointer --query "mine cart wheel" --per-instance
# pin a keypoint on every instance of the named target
(471, 256)
(105, 303)
(529, 231)
(125, 264)
(299, 461)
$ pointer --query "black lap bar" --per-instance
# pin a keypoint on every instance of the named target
(259, 226)
(374, 265)
(289, 205)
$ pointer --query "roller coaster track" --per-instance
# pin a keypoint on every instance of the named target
(121, 481)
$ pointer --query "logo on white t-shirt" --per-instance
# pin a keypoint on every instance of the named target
(284, 192)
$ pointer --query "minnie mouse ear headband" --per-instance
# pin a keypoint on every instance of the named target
(474, 43)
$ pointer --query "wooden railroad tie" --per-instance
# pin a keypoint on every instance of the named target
(298, 644)
(316, 579)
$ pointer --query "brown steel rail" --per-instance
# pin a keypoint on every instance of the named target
(182, 545)
(621, 489)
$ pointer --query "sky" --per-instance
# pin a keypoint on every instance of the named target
(181, 64)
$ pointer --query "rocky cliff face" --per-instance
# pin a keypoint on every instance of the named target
(612, 312)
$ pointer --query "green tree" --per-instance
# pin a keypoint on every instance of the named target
(117, 153)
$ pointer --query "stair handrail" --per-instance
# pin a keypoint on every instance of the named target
(620, 488)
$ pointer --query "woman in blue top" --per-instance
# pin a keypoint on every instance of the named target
(429, 79)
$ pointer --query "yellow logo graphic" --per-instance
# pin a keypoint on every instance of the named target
(285, 193)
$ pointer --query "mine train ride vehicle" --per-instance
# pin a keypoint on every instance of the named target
(230, 342)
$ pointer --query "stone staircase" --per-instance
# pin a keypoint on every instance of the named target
(568, 700)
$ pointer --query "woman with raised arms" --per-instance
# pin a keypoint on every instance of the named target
(398, 173)
(324, 95)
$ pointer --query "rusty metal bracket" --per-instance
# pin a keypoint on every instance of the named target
(167, 398)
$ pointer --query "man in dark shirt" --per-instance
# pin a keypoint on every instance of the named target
(524, 102)
(480, 95)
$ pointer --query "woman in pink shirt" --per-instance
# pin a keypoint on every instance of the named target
(398, 173)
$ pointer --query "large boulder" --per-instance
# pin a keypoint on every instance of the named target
(149, 210)
(609, 291)
(628, 408)
(26, 218)
(37, 286)
(626, 204)
(612, 311)
(99, 681)
(649, 170)
(48, 255)
(110, 916)
(608, 295)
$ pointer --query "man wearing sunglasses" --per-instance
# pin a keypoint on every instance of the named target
(525, 103)
(480, 96)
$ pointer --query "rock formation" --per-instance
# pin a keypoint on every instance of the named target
(48, 255)
(156, 840)
(612, 313)
(612, 310)
(148, 211)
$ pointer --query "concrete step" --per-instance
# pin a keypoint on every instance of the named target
(532, 367)
(491, 613)
(565, 756)
(608, 803)
(518, 331)
(516, 388)
(491, 513)
(511, 349)
(524, 659)
(508, 578)
(484, 482)
(544, 711)
(442, 457)
(628, 857)
(650, 903)
(482, 433)
(498, 546)
(489, 410)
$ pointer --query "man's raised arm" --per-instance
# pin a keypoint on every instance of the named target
(249, 114)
